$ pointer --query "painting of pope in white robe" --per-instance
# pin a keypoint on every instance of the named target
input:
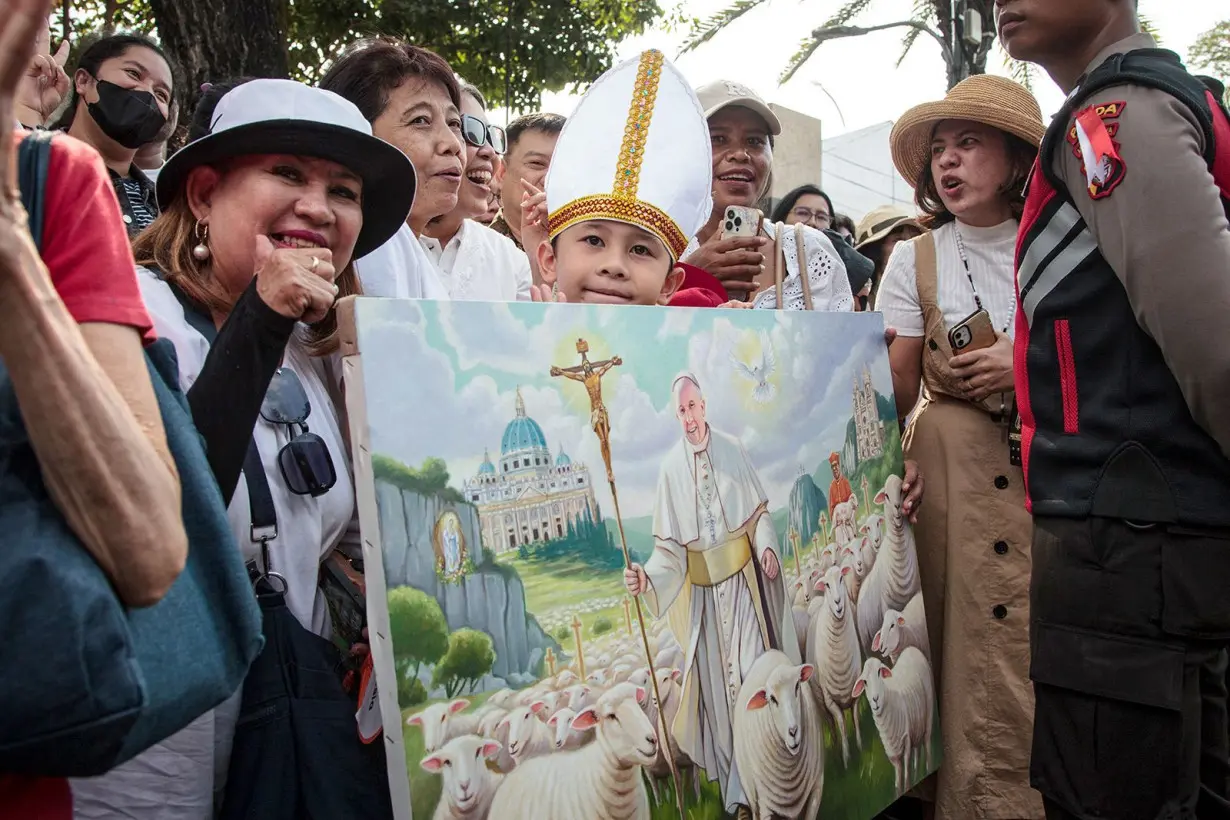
(715, 575)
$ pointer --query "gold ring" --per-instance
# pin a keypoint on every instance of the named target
(315, 264)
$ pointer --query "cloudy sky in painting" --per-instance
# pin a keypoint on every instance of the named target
(441, 380)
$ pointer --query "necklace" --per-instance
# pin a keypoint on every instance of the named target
(1003, 403)
(970, 276)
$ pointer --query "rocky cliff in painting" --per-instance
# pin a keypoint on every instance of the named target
(490, 598)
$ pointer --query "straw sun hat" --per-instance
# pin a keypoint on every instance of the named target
(983, 98)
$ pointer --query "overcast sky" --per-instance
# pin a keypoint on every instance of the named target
(858, 72)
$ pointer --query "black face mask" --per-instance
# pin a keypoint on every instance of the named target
(129, 117)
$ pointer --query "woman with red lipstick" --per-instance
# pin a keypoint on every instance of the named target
(741, 132)
(262, 219)
(968, 156)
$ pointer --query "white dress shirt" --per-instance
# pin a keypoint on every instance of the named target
(479, 264)
(400, 269)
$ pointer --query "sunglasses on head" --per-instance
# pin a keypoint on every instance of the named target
(479, 133)
(307, 468)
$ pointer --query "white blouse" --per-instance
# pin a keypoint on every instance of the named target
(479, 264)
(309, 529)
(400, 269)
(991, 253)
(830, 287)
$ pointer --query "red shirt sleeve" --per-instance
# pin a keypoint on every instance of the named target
(85, 244)
(35, 798)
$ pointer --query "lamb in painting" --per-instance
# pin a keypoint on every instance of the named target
(901, 629)
(527, 735)
(779, 739)
(566, 737)
(843, 522)
(441, 722)
(469, 785)
(893, 581)
(902, 702)
(834, 650)
(601, 779)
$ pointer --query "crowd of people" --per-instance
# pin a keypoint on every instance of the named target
(1053, 306)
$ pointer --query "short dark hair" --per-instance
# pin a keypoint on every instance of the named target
(546, 123)
(1021, 156)
(842, 221)
(211, 94)
(368, 70)
(97, 53)
(472, 90)
(788, 202)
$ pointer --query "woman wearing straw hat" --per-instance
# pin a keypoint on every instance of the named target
(878, 233)
(968, 156)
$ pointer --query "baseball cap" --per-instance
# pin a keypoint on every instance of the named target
(724, 93)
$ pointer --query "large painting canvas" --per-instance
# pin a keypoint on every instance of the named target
(523, 468)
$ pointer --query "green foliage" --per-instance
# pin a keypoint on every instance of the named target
(513, 50)
(602, 625)
(429, 480)
(410, 692)
(470, 655)
(1211, 53)
(586, 540)
(417, 627)
(562, 634)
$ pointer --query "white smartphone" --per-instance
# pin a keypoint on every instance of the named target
(741, 221)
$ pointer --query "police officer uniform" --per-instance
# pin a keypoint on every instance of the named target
(1123, 380)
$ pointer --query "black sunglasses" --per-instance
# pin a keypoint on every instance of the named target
(307, 466)
(479, 133)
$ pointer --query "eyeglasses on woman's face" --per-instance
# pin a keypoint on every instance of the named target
(479, 133)
(815, 218)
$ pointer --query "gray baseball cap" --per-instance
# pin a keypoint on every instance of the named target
(724, 93)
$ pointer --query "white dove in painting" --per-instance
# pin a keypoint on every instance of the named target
(759, 371)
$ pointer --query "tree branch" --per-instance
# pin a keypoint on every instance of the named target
(824, 33)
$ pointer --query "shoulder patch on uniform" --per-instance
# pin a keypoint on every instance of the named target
(1095, 146)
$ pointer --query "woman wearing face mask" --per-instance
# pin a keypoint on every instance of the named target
(968, 157)
(122, 94)
(741, 132)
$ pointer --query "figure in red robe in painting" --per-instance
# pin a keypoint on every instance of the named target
(840, 489)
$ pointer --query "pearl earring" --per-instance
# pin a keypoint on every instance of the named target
(201, 251)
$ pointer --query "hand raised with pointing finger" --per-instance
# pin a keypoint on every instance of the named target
(295, 282)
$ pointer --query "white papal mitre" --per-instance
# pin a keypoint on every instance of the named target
(636, 150)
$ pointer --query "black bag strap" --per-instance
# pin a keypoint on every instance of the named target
(260, 498)
(33, 161)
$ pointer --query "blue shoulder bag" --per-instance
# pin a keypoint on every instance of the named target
(89, 683)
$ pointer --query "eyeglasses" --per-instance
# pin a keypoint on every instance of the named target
(307, 466)
(479, 133)
(808, 215)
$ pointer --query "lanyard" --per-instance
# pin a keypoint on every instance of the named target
(974, 288)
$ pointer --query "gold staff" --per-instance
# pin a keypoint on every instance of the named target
(590, 374)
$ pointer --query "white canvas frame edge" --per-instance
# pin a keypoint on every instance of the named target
(375, 586)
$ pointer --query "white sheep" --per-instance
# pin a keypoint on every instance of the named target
(802, 627)
(893, 581)
(582, 695)
(902, 702)
(873, 528)
(859, 557)
(503, 699)
(671, 691)
(779, 739)
(601, 779)
(827, 560)
(567, 737)
(547, 704)
(834, 650)
(527, 735)
(843, 522)
(441, 722)
(469, 785)
(565, 679)
(907, 627)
